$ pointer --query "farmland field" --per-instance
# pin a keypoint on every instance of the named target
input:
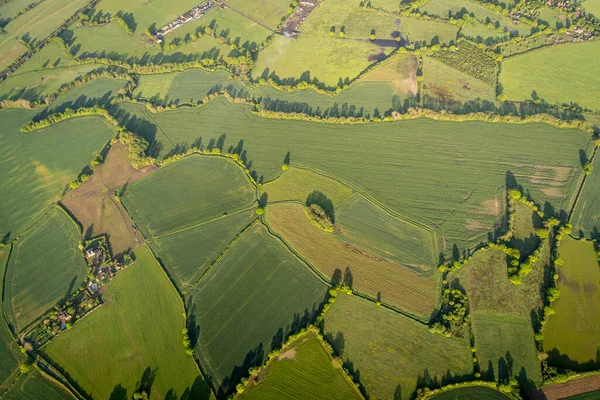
(303, 369)
(471, 393)
(255, 296)
(50, 56)
(45, 266)
(200, 189)
(393, 352)
(569, 65)
(592, 6)
(34, 385)
(266, 12)
(586, 215)
(576, 308)
(110, 350)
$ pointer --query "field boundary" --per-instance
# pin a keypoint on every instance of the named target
(581, 185)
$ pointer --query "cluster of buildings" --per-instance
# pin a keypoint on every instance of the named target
(102, 268)
(191, 15)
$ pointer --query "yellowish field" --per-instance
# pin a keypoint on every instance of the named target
(401, 70)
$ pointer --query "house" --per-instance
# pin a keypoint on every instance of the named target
(89, 253)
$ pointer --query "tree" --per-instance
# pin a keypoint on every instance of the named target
(588, 168)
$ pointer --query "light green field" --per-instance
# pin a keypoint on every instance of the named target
(463, 163)
(34, 177)
(138, 328)
(34, 385)
(256, 295)
(188, 254)
(586, 215)
(525, 45)
(199, 189)
(576, 308)
(45, 266)
(268, 12)
(471, 393)
(570, 67)
(554, 19)
(11, 8)
(303, 370)
(592, 6)
(478, 32)
(297, 184)
(50, 56)
(391, 352)
(367, 226)
(97, 91)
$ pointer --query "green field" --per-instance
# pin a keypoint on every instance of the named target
(576, 308)
(268, 12)
(479, 32)
(592, 6)
(569, 66)
(393, 353)
(524, 223)
(34, 177)
(586, 215)
(11, 8)
(45, 266)
(303, 370)
(255, 296)
(199, 189)
(471, 393)
(138, 329)
(586, 396)
(34, 385)
(49, 57)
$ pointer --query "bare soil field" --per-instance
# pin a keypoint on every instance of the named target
(568, 389)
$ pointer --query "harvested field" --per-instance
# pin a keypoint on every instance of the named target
(401, 71)
(586, 215)
(255, 296)
(413, 292)
(114, 347)
(95, 207)
(586, 388)
(36, 385)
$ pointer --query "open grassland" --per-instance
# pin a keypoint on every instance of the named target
(572, 389)
(50, 56)
(297, 184)
(256, 295)
(94, 206)
(303, 370)
(592, 6)
(45, 266)
(35, 385)
(400, 70)
(570, 67)
(586, 215)
(472, 393)
(187, 254)
(199, 189)
(269, 13)
(136, 333)
(465, 164)
(393, 354)
(369, 227)
(577, 309)
(33, 176)
(412, 290)
(449, 84)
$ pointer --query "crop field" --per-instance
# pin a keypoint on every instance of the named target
(188, 253)
(592, 6)
(50, 56)
(569, 66)
(94, 206)
(200, 189)
(269, 13)
(479, 32)
(256, 295)
(124, 339)
(303, 370)
(472, 393)
(98, 91)
(400, 70)
(393, 353)
(11, 8)
(35, 385)
(449, 84)
(464, 163)
(414, 290)
(570, 389)
(34, 177)
(471, 60)
(576, 308)
(586, 215)
(44, 267)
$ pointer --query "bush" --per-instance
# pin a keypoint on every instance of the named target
(319, 218)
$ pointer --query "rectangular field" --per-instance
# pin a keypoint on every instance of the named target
(269, 13)
(586, 215)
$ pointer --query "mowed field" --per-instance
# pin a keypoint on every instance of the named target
(45, 266)
(256, 295)
(267, 12)
(576, 308)
(413, 291)
(465, 164)
(33, 177)
(586, 215)
(303, 370)
(393, 353)
(137, 331)
(35, 385)
(199, 189)
(569, 66)
(592, 6)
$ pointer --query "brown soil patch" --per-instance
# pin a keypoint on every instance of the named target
(551, 176)
(475, 226)
(553, 193)
(568, 389)
(290, 355)
(94, 205)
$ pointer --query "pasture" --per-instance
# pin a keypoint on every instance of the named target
(36, 385)
(269, 13)
(592, 6)
(49, 57)
(45, 266)
(471, 393)
(570, 66)
(125, 340)
(480, 32)
(586, 215)
(413, 290)
(256, 295)
(576, 308)
(392, 353)
(34, 178)
(199, 189)
(303, 370)
(465, 164)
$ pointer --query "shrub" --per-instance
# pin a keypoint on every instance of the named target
(319, 218)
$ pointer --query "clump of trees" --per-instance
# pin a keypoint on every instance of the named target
(453, 319)
(319, 217)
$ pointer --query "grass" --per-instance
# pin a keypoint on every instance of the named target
(111, 349)
(592, 6)
(576, 308)
(586, 215)
(11, 8)
(369, 227)
(45, 266)
(34, 177)
(36, 385)
(393, 354)
(50, 56)
(256, 295)
(412, 290)
(199, 189)
(303, 370)
(479, 32)
(523, 229)
(471, 393)
(189, 253)
(569, 66)
(268, 12)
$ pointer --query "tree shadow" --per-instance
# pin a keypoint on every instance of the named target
(583, 159)
(119, 393)
(336, 277)
(348, 278)
(564, 362)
